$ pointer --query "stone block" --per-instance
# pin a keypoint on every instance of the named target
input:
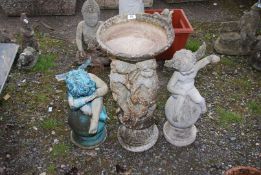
(113, 4)
(7, 55)
(38, 7)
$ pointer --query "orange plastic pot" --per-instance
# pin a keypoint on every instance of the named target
(243, 170)
(182, 28)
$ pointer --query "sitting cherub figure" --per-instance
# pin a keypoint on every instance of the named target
(87, 114)
(85, 92)
(182, 82)
(86, 33)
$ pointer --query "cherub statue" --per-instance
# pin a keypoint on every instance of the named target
(186, 104)
(27, 32)
(86, 32)
(85, 97)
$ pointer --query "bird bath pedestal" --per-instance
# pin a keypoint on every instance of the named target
(133, 41)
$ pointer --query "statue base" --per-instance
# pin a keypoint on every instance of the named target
(179, 137)
(138, 140)
(89, 142)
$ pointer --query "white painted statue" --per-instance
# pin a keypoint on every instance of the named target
(186, 104)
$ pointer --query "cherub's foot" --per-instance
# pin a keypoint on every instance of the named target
(93, 127)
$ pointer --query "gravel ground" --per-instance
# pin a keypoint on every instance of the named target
(35, 141)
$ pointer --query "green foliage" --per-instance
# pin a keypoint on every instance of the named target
(111, 107)
(41, 97)
(193, 45)
(50, 123)
(243, 84)
(45, 63)
(60, 150)
(51, 169)
(46, 42)
(228, 62)
(255, 107)
(208, 36)
(227, 117)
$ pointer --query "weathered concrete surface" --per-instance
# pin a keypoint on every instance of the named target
(180, 1)
(7, 56)
(38, 7)
(241, 36)
(113, 4)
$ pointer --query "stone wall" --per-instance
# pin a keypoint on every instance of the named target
(113, 4)
(180, 1)
(38, 7)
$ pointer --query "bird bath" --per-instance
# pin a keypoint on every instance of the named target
(133, 41)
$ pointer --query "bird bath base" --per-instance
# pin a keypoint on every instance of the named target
(134, 41)
(89, 142)
(138, 140)
(179, 137)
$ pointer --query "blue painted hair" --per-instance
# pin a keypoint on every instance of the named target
(79, 83)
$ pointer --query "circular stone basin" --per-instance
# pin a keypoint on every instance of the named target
(137, 39)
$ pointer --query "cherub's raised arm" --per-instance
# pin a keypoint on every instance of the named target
(205, 61)
(101, 86)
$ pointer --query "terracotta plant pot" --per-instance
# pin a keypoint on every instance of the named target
(243, 170)
(182, 28)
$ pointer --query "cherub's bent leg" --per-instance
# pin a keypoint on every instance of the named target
(97, 105)
(197, 98)
(87, 110)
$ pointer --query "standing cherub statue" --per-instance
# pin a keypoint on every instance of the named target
(186, 104)
(27, 33)
(86, 34)
(87, 115)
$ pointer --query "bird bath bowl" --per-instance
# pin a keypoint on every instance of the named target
(133, 41)
(135, 38)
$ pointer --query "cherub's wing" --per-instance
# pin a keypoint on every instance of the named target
(201, 51)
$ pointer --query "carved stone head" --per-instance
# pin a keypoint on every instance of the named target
(184, 60)
(91, 12)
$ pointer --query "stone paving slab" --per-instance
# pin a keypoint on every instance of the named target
(7, 56)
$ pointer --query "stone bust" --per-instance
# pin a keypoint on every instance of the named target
(86, 29)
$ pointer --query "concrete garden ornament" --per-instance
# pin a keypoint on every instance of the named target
(28, 58)
(87, 115)
(86, 33)
(134, 41)
(185, 105)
